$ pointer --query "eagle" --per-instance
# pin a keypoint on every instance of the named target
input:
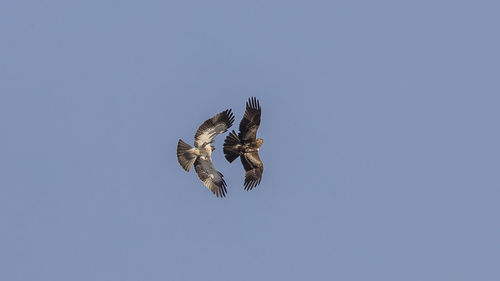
(200, 154)
(246, 145)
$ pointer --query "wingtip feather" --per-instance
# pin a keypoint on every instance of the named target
(253, 103)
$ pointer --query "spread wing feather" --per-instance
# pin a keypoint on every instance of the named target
(251, 120)
(212, 127)
(253, 169)
(210, 177)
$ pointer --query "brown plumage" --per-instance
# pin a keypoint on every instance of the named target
(246, 145)
(201, 155)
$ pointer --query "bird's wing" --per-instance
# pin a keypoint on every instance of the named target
(251, 120)
(210, 177)
(212, 127)
(253, 169)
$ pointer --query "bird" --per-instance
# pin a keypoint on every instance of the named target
(246, 145)
(201, 154)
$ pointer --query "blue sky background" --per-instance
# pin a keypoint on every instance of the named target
(380, 121)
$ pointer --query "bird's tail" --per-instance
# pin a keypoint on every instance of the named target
(186, 155)
(231, 145)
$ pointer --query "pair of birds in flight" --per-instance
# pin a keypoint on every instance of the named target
(245, 145)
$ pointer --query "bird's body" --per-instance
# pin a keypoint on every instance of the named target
(201, 155)
(242, 148)
(246, 145)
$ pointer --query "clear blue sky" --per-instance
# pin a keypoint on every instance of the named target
(380, 120)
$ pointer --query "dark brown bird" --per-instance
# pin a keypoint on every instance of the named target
(201, 154)
(246, 145)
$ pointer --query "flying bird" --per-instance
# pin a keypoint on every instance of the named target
(246, 145)
(201, 154)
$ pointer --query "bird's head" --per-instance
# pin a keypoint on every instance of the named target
(259, 142)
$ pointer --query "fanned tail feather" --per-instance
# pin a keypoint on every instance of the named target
(230, 147)
(186, 155)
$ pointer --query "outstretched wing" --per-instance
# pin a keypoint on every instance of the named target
(212, 127)
(253, 169)
(210, 177)
(251, 121)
